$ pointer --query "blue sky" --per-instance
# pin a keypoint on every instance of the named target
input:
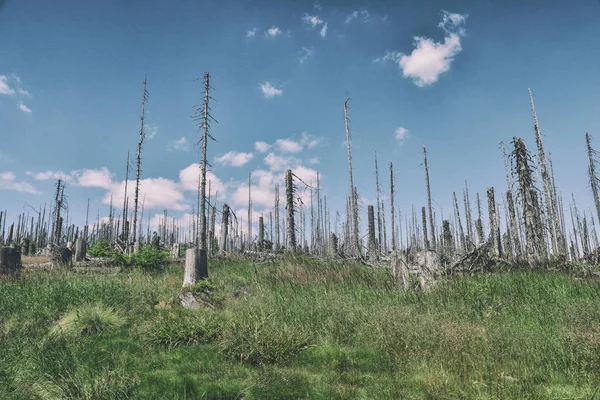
(451, 75)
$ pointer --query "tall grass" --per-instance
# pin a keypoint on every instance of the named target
(298, 328)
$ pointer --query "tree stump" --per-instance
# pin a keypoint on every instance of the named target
(175, 250)
(80, 250)
(61, 256)
(10, 261)
(399, 270)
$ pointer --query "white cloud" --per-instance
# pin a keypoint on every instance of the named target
(154, 192)
(273, 31)
(312, 20)
(324, 30)
(318, 7)
(314, 160)
(251, 33)
(270, 91)
(279, 163)
(52, 175)
(11, 84)
(393, 56)
(150, 130)
(401, 133)
(178, 145)
(262, 147)
(304, 53)
(364, 14)
(234, 159)
(429, 59)
(188, 179)
(8, 181)
(310, 141)
(351, 17)
(288, 146)
(101, 178)
(24, 108)
(4, 87)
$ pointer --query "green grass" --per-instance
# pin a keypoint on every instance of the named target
(298, 329)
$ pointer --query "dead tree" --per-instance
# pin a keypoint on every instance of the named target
(197, 266)
(592, 173)
(493, 226)
(371, 223)
(550, 200)
(378, 191)
(392, 207)
(139, 163)
(277, 235)
(353, 200)
(433, 239)
(534, 230)
(290, 225)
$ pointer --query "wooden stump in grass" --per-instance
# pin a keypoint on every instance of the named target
(61, 256)
(10, 261)
(196, 266)
(399, 269)
(80, 250)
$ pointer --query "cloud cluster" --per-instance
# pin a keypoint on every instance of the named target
(314, 21)
(429, 59)
(270, 91)
(178, 145)
(11, 85)
(234, 159)
(8, 181)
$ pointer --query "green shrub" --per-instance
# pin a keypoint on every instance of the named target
(262, 341)
(88, 319)
(148, 259)
(182, 328)
(102, 248)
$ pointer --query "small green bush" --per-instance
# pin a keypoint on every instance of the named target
(263, 341)
(88, 319)
(149, 259)
(101, 248)
(182, 328)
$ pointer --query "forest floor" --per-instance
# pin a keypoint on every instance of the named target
(290, 329)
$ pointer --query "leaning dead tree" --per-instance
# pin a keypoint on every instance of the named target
(196, 264)
(392, 208)
(139, 162)
(552, 214)
(592, 173)
(353, 200)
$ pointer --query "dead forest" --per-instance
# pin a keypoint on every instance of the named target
(523, 224)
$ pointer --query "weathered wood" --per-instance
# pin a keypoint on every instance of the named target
(61, 255)
(399, 269)
(175, 250)
(10, 261)
(80, 250)
(191, 267)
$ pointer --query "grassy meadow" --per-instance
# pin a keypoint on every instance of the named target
(298, 329)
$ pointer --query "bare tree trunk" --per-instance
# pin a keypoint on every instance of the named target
(378, 191)
(372, 243)
(139, 163)
(433, 239)
(550, 200)
(277, 235)
(354, 205)
(493, 218)
(392, 206)
(291, 226)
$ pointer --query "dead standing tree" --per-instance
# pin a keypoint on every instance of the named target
(196, 263)
(592, 173)
(534, 230)
(139, 162)
(431, 222)
(353, 200)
